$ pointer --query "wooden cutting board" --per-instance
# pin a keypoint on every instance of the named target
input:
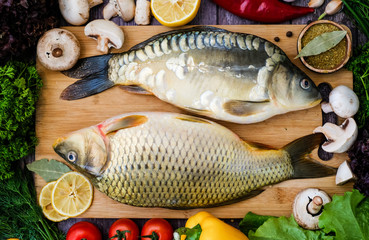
(55, 117)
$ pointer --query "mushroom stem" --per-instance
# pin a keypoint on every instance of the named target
(102, 45)
(326, 107)
(142, 16)
(315, 205)
(57, 52)
(110, 11)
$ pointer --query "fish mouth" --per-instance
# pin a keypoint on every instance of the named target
(58, 141)
(314, 103)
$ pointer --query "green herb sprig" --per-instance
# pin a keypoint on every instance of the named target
(20, 215)
(359, 65)
(359, 11)
(20, 85)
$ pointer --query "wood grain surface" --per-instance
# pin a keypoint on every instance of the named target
(56, 117)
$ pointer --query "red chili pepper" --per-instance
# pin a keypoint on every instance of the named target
(267, 11)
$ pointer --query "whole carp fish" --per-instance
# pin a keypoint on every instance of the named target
(178, 161)
(229, 76)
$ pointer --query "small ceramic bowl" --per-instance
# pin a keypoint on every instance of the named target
(348, 47)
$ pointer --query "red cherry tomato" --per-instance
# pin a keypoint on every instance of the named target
(122, 225)
(157, 229)
(84, 230)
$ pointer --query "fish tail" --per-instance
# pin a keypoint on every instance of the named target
(303, 165)
(93, 75)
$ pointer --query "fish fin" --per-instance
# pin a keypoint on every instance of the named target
(86, 87)
(192, 119)
(174, 32)
(198, 111)
(88, 66)
(136, 90)
(260, 146)
(93, 72)
(249, 195)
(244, 108)
(303, 165)
(122, 123)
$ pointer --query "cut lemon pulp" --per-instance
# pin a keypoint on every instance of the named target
(72, 194)
(174, 13)
(45, 203)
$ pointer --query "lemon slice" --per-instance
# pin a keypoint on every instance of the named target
(174, 13)
(72, 194)
(45, 203)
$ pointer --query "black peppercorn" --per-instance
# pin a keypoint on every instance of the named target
(276, 39)
(289, 34)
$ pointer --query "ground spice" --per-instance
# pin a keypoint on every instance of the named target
(329, 59)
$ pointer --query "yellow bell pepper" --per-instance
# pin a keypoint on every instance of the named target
(213, 228)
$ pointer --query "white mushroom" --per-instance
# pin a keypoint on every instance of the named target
(339, 138)
(124, 8)
(142, 16)
(344, 174)
(107, 33)
(77, 12)
(307, 207)
(342, 101)
(58, 49)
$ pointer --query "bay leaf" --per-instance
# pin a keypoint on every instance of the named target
(322, 43)
(48, 170)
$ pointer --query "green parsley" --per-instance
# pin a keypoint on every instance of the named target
(20, 85)
(359, 65)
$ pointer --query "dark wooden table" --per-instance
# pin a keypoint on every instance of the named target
(210, 14)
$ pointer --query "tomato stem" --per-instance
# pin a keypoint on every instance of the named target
(121, 235)
(153, 236)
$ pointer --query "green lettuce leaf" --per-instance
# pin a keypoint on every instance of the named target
(347, 216)
(252, 222)
(285, 228)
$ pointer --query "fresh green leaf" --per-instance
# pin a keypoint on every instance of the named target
(48, 170)
(359, 11)
(322, 43)
(20, 215)
(347, 216)
(285, 228)
(19, 91)
(252, 222)
(359, 65)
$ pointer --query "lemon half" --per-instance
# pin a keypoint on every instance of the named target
(72, 194)
(45, 203)
(174, 13)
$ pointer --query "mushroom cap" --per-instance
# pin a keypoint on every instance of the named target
(107, 33)
(300, 206)
(339, 138)
(75, 12)
(58, 49)
(344, 101)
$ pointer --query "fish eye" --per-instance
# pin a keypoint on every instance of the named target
(72, 156)
(305, 83)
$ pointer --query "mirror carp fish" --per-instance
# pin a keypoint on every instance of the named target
(176, 161)
(229, 76)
